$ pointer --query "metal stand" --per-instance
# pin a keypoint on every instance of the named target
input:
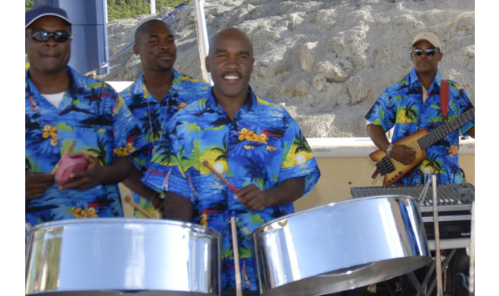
(472, 252)
(437, 265)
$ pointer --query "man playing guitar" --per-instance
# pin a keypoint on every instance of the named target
(422, 103)
(413, 104)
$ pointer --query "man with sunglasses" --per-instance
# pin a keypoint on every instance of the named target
(158, 93)
(69, 113)
(416, 102)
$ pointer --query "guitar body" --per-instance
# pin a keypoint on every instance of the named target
(400, 168)
(419, 141)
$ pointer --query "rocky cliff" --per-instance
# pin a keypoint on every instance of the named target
(327, 61)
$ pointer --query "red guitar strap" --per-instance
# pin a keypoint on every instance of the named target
(444, 97)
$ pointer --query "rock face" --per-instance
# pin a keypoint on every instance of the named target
(327, 61)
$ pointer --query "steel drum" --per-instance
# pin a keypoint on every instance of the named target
(118, 256)
(340, 246)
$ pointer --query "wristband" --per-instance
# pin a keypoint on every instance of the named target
(161, 196)
(389, 150)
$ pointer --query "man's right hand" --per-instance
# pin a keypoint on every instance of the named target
(37, 183)
(403, 154)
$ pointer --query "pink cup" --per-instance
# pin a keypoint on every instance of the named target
(70, 164)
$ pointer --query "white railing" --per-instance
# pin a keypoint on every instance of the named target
(336, 147)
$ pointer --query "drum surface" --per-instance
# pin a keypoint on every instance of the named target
(118, 256)
(340, 246)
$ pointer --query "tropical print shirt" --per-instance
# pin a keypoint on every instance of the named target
(402, 105)
(95, 116)
(152, 116)
(263, 146)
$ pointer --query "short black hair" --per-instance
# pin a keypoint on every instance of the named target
(145, 25)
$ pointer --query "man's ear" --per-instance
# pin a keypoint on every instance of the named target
(207, 63)
(136, 49)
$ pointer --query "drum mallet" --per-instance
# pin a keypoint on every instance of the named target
(235, 247)
(129, 200)
(70, 147)
(219, 176)
(437, 238)
(239, 291)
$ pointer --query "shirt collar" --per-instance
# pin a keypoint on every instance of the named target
(29, 85)
(139, 87)
(413, 77)
(249, 104)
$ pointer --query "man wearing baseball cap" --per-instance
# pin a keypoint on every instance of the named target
(421, 100)
(45, 10)
(70, 113)
(414, 103)
(427, 36)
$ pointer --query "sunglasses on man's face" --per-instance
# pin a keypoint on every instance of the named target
(429, 52)
(44, 36)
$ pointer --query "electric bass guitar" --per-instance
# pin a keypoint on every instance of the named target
(420, 140)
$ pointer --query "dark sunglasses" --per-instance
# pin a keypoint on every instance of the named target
(429, 52)
(44, 36)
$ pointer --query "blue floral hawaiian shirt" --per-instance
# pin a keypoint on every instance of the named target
(402, 105)
(152, 115)
(263, 146)
(95, 116)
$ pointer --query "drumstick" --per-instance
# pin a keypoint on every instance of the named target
(437, 237)
(235, 247)
(70, 147)
(206, 164)
(129, 200)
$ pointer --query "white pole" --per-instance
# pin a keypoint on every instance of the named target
(153, 6)
(202, 34)
(438, 262)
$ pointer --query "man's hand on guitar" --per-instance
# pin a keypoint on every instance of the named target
(403, 154)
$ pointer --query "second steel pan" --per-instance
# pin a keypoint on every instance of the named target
(119, 256)
(340, 246)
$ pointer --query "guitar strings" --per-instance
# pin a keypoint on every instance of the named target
(446, 128)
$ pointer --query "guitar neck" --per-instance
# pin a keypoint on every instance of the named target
(446, 129)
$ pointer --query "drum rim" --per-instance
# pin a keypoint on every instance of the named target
(331, 204)
(117, 220)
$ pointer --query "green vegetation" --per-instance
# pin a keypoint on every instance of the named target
(118, 9)
(28, 4)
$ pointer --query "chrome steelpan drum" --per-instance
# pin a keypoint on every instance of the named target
(340, 246)
(118, 256)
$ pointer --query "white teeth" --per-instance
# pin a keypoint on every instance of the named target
(231, 77)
